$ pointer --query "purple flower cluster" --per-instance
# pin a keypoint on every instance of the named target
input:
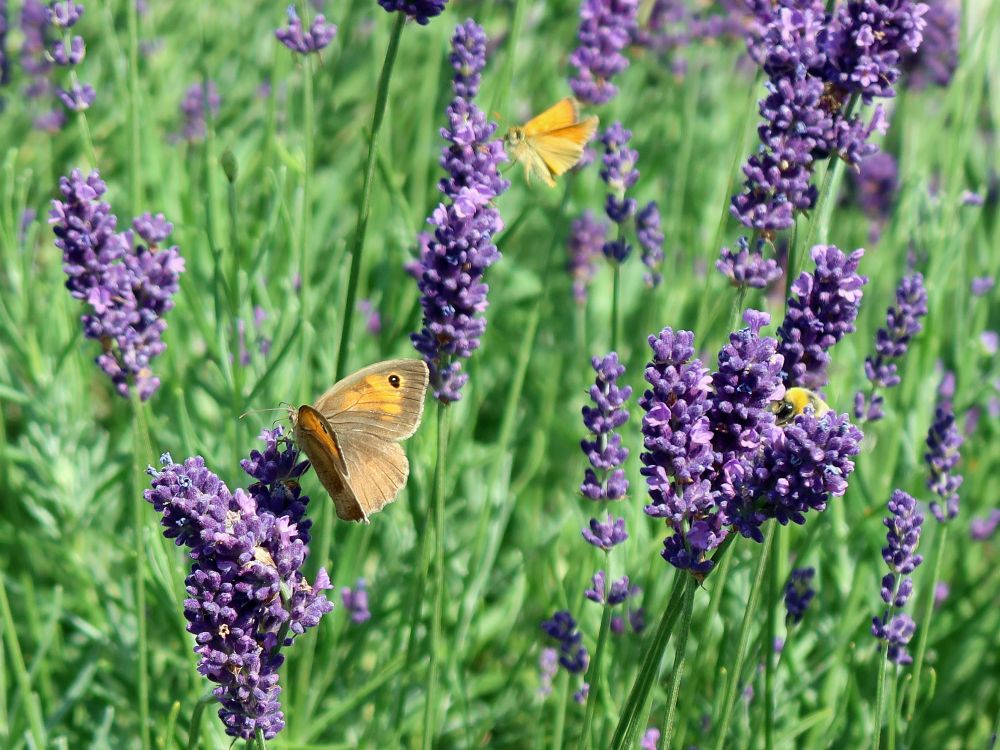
(609, 595)
(356, 602)
(587, 236)
(573, 655)
(199, 101)
(67, 52)
(981, 286)
(606, 27)
(36, 64)
(650, 235)
(935, 62)
(297, 39)
(454, 258)
(548, 665)
(713, 459)
(817, 65)
(247, 597)
(798, 594)
(604, 478)
(821, 311)
(748, 267)
(649, 739)
(903, 536)
(422, 11)
(128, 286)
(876, 183)
(982, 529)
(620, 174)
(903, 322)
(4, 59)
(943, 444)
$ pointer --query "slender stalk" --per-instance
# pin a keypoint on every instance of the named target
(142, 453)
(594, 672)
(430, 708)
(358, 244)
(562, 695)
(308, 126)
(773, 586)
(880, 696)
(673, 687)
(194, 727)
(636, 700)
(616, 301)
(893, 685)
(259, 737)
(134, 108)
(732, 684)
(925, 621)
(36, 724)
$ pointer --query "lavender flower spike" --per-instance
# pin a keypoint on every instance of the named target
(573, 656)
(587, 236)
(304, 42)
(935, 62)
(748, 267)
(127, 286)
(199, 101)
(620, 174)
(903, 536)
(454, 259)
(821, 312)
(903, 322)
(798, 593)
(605, 479)
(606, 27)
(650, 236)
(247, 598)
(677, 453)
(422, 11)
(356, 602)
(943, 443)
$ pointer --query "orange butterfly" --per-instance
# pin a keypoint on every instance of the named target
(552, 142)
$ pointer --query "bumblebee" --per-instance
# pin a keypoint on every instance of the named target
(795, 402)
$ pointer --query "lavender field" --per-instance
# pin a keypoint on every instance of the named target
(710, 436)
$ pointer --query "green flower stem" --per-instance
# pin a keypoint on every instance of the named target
(358, 244)
(305, 209)
(733, 681)
(893, 708)
(673, 686)
(562, 695)
(430, 707)
(194, 727)
(29, 698)
(773, 587)
(925, 621)
(594, 672)
(880, 688)
(134, 108)
(142, 453)
(636, 701)
(616, 303)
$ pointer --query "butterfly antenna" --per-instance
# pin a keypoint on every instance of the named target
(282, 407)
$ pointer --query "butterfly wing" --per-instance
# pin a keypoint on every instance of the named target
(562, 114)
(382, 401)
(316, 438)
(561, 149)
(534, 164)
(378, 471)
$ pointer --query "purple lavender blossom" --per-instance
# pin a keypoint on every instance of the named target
(620, 174)
(982, 529)
(587, 236)
(981, 286)
(572, 655)
(453, 260)
(581, 695)
(649, 739)
(356, 602)
(802, 465)
(152, 229)
(821, 312)
(677, 457)
(604, 479)
(903, 322)
(304, 42)
(199, 101)
(611, 596)
(247, 597)
(4, 57)
(548, 665)
(941, 593)
(650, 236)
(607, 534)
(748, 267)
(876, 183)
(606, 27)
(903, 536)
(798, 594)
(34, 60)
(943, 443)
(422, 11)
(866, 40)
(815, 63)
(373, 319)
(934, 64)
(127, 286)
(67, 52)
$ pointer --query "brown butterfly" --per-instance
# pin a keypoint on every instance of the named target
(351, 434)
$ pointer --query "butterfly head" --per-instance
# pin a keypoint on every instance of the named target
(515, 136)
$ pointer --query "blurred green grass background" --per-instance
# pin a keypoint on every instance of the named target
(513, 547)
